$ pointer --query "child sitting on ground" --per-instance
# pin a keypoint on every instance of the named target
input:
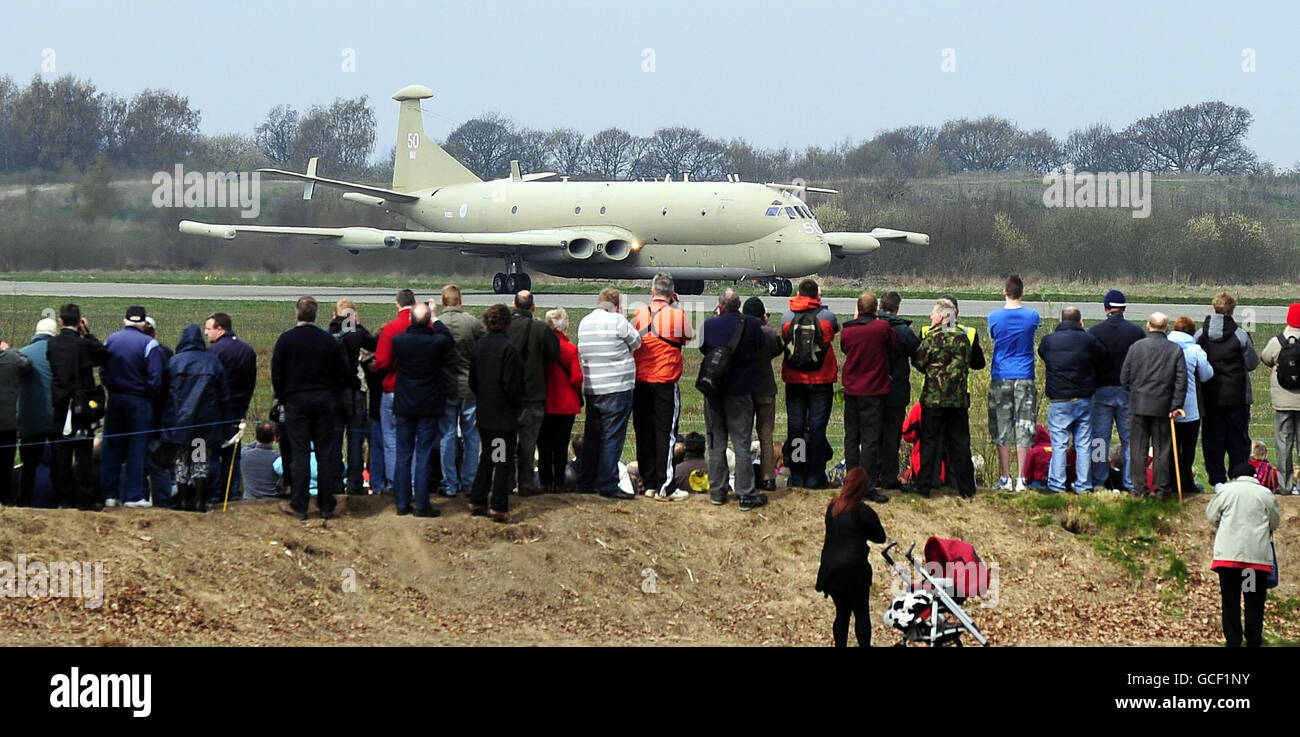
(1265, 474)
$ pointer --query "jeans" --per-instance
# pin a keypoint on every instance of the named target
(1110, 406)
(602, 441)
(356, 428)
(31, 449)
(378, 461)
(462, 413)
(731, 416)
(808, 410)
(390, 435)
(126, 436)
(1286, 425)
(1070, 419)
(416, 438)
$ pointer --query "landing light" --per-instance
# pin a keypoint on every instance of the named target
(636, 245)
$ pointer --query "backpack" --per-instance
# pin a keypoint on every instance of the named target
(360, 369)
(715, 369)
(1288, 363)
(805, 346)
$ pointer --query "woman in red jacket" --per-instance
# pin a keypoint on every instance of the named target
(563, 401)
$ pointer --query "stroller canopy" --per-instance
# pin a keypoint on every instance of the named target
(958, 561)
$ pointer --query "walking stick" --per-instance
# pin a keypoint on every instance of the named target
(230, 475)
(1173, 435)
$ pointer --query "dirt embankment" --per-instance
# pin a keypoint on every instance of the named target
(576, 570)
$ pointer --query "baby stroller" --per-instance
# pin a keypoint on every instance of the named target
(921, 611)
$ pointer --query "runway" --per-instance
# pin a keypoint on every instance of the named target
(1245, 314)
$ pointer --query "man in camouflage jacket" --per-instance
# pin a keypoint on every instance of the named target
(944, 359)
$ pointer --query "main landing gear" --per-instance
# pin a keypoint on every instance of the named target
(777, 286)
(514, 279)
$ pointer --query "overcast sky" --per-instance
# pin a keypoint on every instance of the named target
(777, 73)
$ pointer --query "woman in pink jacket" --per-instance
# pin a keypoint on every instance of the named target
(563, 402)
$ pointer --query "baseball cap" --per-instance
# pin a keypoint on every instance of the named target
(1114, 298)
(135, 316)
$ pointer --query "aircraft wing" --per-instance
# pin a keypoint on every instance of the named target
(311, 179)
(367, 239)
(843, 244)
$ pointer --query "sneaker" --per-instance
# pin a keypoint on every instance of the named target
(718, 500)
(1003, 484)
(110, 502)
(1020, 485)
(1085, 490)
(677, 495)
(1217, 488)
(1295, 492)
(651, 493)
(752, 501)
(141, 504)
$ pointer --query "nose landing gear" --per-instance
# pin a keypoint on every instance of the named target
(777, 286)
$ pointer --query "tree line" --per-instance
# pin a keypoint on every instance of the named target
(54, 126)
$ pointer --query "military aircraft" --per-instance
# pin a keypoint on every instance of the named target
(694, 230)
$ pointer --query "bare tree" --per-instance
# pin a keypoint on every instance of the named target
(531, 149)
(1038, 151)
(567, 151)
(1208, 138)
(275, 136)
(54, 124)
(159, 129)
(612, 153)
(341, 136)
(678, 150)
(484, 145)
(987, 144)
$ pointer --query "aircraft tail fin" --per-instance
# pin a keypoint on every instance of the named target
(421, 163)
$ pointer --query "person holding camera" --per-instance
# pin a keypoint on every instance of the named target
(78, 407)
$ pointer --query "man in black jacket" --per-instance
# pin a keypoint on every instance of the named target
(74, 353)
(240, 363)
(1155, 375)
(900, 389)
(1072, 358)
(308, 370)
(1110, 403)
(537, 346)
(357, 342)
(1225, 409)
(497, 383)
(419, 400)
(732, 414)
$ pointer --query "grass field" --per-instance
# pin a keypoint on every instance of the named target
(260, 323)
(1036, 290)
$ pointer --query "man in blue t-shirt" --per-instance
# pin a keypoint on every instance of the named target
(1013, 409)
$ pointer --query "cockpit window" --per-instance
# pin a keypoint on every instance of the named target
(806, 212)
(773, 211)
(793, 215)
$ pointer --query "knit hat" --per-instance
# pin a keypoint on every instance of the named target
(47, 326)
(1114, 298)
(754, 306)
(1293, 315)
(134, 316)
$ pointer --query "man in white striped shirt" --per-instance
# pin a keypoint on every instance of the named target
(605, 344)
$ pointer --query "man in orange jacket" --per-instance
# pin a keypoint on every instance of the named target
(809, 370)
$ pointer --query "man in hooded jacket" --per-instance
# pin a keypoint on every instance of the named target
(198, 397)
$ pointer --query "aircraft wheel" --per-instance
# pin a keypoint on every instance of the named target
(774, 288)
(499, 283)
(512, 284)
(787, 288)
(525, 282)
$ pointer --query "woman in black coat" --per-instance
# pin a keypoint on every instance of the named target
(845, 573)
(496, 378)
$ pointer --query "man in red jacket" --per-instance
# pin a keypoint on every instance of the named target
(869, 344)
(809, 371)
(386, 367)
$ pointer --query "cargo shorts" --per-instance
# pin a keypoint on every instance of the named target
(1013, 412)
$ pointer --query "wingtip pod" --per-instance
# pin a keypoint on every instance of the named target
(225, 232)
(413, 92)
(852, 243)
